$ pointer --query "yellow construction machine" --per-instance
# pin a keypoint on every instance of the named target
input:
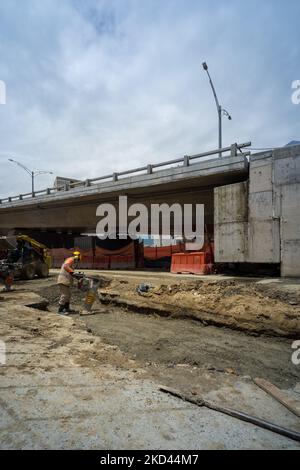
(24, 257)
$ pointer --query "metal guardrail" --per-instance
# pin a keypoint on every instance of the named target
(234, 149)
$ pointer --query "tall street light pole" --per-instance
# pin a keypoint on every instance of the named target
(32, 173)
(221, 111)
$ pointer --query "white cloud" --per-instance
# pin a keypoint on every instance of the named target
(99, 86)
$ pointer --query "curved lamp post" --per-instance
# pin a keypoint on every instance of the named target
(221, 111)
(32, 173)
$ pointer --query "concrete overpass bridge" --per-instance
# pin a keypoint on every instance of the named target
(252, 202)
(72, 207)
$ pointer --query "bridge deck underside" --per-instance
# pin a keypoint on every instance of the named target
(75, 210)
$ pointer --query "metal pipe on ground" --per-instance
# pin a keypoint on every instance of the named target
(234, 414)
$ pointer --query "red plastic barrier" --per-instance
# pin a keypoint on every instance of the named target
(193, 263)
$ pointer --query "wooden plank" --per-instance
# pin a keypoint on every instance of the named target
(289, 403)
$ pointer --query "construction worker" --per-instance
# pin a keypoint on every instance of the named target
(7, 278)
(65, 282)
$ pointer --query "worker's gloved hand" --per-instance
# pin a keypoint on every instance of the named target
(77, 275)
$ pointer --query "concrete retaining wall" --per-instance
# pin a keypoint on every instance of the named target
(231, 223)
(262, 225)
(287, 192)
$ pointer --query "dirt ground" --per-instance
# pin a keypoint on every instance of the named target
(94, 381)
(177, 343)
(63, 387)
(238, 305)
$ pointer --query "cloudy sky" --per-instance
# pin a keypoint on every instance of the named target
(96, 86)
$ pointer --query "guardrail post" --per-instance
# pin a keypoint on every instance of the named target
(233, 151)
(186, 160)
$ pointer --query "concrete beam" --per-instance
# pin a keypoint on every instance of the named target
(76, 208)
(209, 172)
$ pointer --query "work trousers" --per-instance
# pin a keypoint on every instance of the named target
(65, 294)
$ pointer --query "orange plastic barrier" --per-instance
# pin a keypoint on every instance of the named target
(191, 263)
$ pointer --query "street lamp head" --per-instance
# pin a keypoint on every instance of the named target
(226, 113)
(42, 172)
(204, 65)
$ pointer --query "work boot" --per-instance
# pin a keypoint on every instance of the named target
(62, 310)
(68, 309)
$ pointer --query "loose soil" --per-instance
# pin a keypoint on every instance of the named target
(178, 349)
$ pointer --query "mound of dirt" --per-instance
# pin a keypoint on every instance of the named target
(238, 305)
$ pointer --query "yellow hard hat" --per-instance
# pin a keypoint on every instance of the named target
(77, 255)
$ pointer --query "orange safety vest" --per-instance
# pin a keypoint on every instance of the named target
(64, 276)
